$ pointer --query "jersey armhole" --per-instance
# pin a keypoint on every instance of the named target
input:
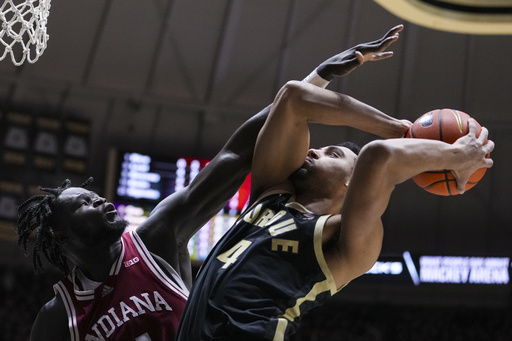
(320, 224)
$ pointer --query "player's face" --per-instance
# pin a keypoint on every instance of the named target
(87, 218)
(331, 165)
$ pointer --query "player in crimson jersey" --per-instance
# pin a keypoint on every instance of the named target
(137, 301)
(134, 286)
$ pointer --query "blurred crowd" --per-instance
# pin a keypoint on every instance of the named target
(368, 322)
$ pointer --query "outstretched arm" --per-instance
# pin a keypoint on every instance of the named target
(179, 216)
(284, 139)
(359, 115)
(381, 165)
(218, 182)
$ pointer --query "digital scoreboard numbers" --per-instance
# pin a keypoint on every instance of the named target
(139, 178)
(143, 181)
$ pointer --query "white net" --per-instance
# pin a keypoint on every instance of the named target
(23, 35)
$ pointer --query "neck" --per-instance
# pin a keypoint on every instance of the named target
(320, 204)
(96, 262)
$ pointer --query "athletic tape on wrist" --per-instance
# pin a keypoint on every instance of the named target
(315, 79)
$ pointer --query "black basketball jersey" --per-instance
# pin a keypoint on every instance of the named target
(260, 279)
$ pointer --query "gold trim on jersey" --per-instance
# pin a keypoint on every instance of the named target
(319, 229)
(327, 285)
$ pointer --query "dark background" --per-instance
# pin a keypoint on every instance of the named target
(175, 78)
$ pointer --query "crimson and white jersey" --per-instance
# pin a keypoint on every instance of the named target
(137, 301)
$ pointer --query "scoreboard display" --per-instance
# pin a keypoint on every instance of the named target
(142, 181)
(435, 269)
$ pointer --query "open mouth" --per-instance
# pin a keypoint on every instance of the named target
(110, 209)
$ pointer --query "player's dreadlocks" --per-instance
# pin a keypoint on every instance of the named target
(35, 215)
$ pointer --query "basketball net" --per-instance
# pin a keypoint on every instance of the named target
(23, 33)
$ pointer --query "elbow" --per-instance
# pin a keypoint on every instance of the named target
(377, 153)
(383, 159)
(293, 93)
(294, 88)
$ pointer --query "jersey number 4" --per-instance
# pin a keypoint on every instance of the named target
(230, 256)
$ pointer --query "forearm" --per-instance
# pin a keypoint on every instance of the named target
(316, 105)
(223, 176)
(394, 161)
(401, 159)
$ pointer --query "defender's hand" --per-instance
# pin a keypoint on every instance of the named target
(347, 61)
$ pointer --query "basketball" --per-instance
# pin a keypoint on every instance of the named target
(444, 125)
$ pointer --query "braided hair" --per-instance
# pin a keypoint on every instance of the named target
(35, 216)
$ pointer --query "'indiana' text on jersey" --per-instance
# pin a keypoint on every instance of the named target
(138, 300)
(262, 277)
(117, 316)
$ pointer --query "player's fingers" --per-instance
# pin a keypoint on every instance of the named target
(393, 31)
(472, 127)
(377, 46)
(488, 147)
(483, 134)
(488, 162)
(461, 182)
(396, 29)
(359, 57)
(461, 189)
(382, 55)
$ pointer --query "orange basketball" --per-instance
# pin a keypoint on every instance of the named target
(444, 125)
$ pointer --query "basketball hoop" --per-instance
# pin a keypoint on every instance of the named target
(23, 33)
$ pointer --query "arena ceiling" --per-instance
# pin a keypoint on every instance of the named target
(176, 77)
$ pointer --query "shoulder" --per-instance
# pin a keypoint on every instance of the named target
(51, 322)
(285, 189)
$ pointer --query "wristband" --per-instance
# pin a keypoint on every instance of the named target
(315, 79)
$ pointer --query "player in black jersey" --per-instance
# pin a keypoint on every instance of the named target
(78, 227)
(315, 219)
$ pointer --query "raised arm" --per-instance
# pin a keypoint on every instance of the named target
(284, 139)
(381, 165)
(179, 217)
(218, 182)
